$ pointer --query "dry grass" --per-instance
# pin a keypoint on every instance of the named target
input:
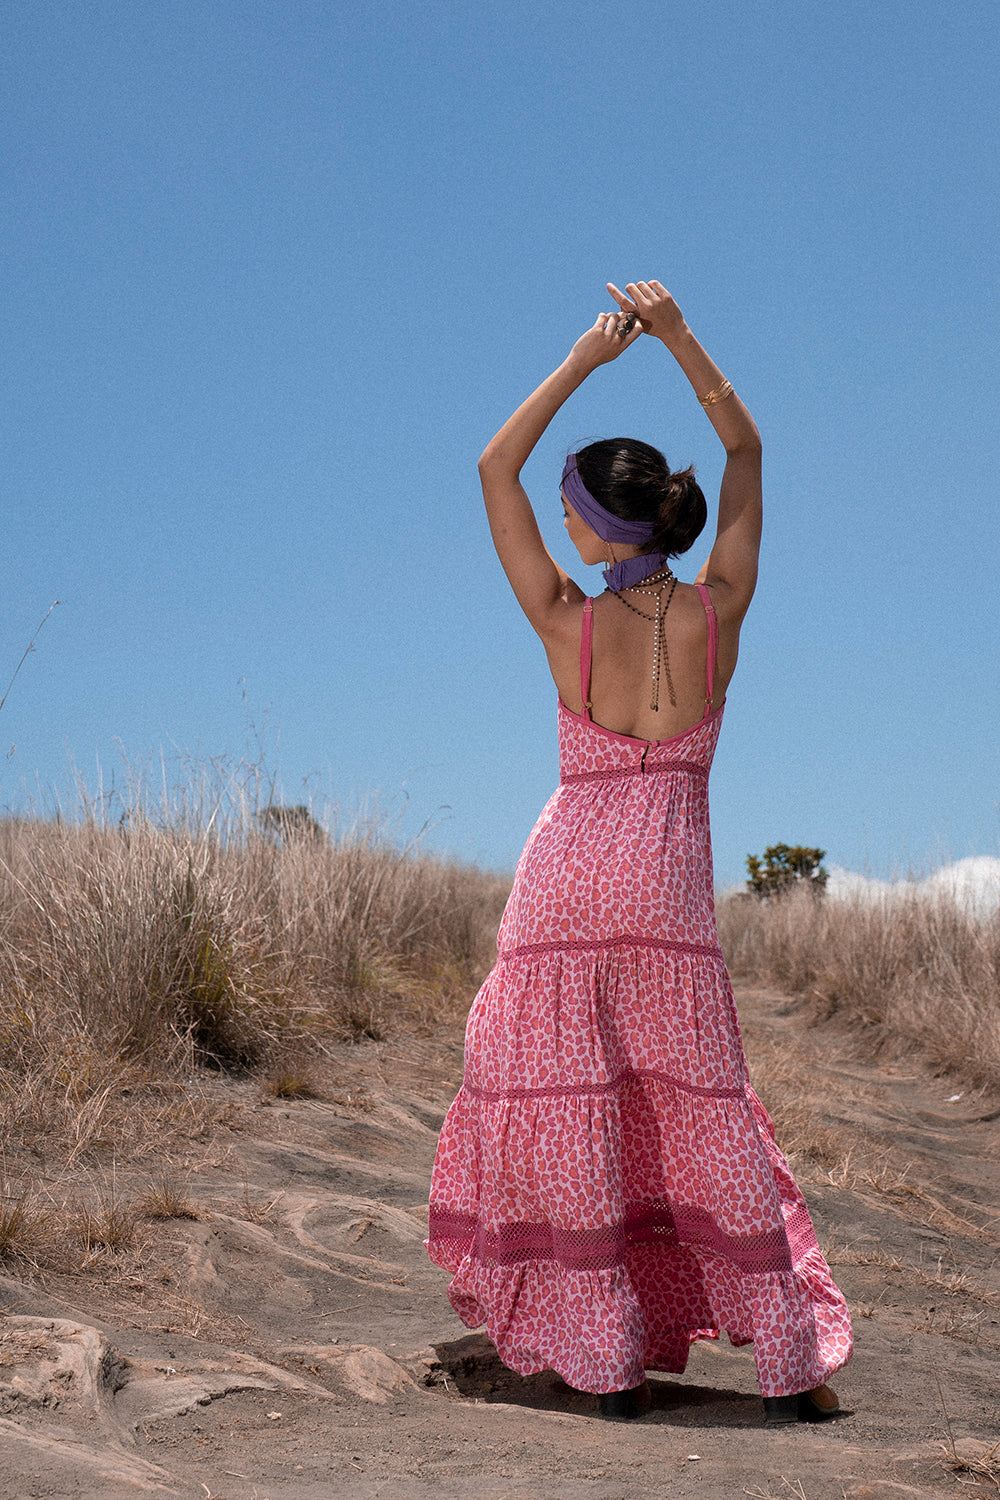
(291, 1083)
(958, 1284)
(109, 1222)
(112, 1225)
(24, 1222)
(984, 1464)
(75, 1223)
(847, 1255)
(797, 1113)
(166, 1198)
(136, 952)
(259, 1208)
(789, 1487)
(910, 968)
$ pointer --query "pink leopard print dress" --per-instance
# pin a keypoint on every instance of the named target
(607, 1186)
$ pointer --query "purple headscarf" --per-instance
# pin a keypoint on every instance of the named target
(611, 528)
(608, 527)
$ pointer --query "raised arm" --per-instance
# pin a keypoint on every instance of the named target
(731, 568)
(543, 590)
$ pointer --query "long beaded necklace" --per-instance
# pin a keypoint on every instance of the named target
(656, 584)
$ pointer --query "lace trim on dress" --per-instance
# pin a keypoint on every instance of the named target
(610, 1086)
(645, 768)
(586, 945)
(605, 1248)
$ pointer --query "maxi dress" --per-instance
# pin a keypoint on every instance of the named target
(607, 1187)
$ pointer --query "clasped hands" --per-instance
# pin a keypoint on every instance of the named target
(645, 307)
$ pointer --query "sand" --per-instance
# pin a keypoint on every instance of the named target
(293, 1340)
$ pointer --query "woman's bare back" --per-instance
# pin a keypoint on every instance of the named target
(622, 665)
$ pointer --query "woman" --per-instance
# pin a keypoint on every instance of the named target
(607, 1187)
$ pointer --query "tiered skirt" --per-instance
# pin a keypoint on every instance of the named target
(607, 1185)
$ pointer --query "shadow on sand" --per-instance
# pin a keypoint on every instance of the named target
(474, 1367)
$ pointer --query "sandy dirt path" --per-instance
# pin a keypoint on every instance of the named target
(293, 1341)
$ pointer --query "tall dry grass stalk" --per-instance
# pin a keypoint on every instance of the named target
(910, 967)
(135, 949)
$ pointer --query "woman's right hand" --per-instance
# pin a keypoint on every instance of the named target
(602, 342)
(653, 305)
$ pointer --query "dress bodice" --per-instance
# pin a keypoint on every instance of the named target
(589, 751)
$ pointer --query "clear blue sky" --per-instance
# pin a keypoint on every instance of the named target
(274, 275)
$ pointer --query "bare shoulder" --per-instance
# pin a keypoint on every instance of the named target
(689, 605)
(730, 602)
(730, 607)
(562, 640)
(561, 621)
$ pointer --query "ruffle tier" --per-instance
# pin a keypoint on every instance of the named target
(602, 1330)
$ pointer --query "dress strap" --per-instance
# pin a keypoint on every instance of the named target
(586, 651)
(713, 645)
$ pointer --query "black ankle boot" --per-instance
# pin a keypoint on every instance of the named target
(781, 1409)
(817, 1405)
(626, 1406)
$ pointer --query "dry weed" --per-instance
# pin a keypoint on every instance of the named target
(877, 1172)
(957, 1284)
(868, 1309)
(913, 969)
(258, 1208)
(788, 1486)
(343, 1105)
(876, 1256)
(291, 1083)
(25, 1224)
(111, 1224)
(966, 1327)
(135, 949)
(362, 1023)
(357, 1101)
(984, 1465)
(796, 1113)
(166, 1198)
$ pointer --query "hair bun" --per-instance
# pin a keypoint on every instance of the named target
(683, 513)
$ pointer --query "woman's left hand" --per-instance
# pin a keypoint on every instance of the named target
(605, 340)
(654, 307)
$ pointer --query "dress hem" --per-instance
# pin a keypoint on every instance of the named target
(665, 1352)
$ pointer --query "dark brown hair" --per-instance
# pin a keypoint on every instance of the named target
(634, 482)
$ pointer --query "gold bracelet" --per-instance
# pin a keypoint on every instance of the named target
(719, 394)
